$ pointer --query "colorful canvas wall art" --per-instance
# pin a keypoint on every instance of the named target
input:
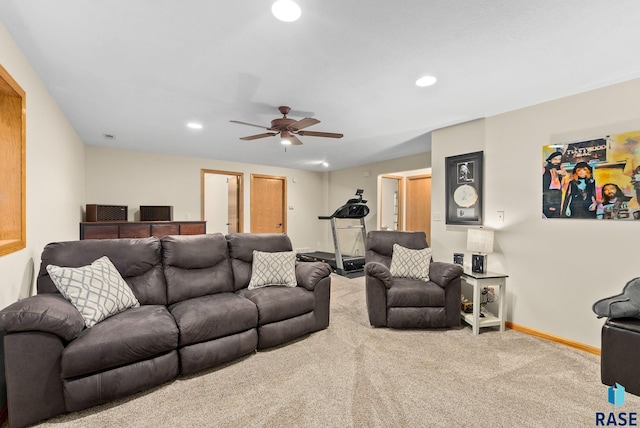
(592, 179)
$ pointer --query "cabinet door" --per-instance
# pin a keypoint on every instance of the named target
(192, 228)
(160, 230)
(135, 230)
(99, 231)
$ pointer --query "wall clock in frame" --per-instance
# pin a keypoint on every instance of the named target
(463, 183)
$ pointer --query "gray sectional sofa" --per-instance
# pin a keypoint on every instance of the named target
(195, 313)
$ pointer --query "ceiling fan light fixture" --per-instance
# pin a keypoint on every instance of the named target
(286, 10)
(284, 138)
(425, 81)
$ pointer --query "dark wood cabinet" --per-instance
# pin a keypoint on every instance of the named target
(140, 229)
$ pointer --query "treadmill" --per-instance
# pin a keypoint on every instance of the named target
(344, 265)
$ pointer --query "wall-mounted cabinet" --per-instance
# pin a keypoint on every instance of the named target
(13, 227)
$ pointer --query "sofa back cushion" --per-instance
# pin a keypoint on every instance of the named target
(241, 246)
(139, 262)
(196, 265)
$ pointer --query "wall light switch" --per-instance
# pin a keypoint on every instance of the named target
(501, 216)
(437, 216)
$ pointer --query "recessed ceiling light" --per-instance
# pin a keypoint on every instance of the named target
(325, 164)
(426, 81)
(194, 125)
(286, 10)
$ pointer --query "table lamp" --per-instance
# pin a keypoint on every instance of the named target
(480, 243)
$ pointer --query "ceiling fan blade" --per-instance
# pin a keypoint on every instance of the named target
(294, 140)
(250, 124)
(303, 123)
(320, 134)
(255, 137)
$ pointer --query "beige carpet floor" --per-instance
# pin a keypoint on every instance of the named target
(352, 375)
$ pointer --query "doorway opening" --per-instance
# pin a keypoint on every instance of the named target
(404, 201)
(222, 201)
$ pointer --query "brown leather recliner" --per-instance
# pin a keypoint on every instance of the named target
(408, 303)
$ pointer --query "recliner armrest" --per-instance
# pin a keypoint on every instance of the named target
(442, 273)
(50, 313)
(379, 272)
(308, 274)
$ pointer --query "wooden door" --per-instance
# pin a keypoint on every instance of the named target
(268, 204)
(419, 204)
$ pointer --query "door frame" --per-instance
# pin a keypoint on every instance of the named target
(284, 199)
(240, 176)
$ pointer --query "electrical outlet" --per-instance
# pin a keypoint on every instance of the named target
(501, 216)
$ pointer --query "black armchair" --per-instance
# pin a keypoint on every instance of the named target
(409, 303)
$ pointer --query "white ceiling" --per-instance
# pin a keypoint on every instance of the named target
(141, 69)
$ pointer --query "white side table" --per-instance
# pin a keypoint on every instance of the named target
(478, 281)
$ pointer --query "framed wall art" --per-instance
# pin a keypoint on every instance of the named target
(463, 183)
(597, 178)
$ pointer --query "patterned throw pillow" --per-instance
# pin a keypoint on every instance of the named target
(408, 263)
(97, 290)
(273, 269)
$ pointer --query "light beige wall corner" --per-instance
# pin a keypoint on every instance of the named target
(55, 176)
(343, 184)
(134, 178)
(557, 267)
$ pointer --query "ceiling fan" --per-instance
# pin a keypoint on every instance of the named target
(288, 128)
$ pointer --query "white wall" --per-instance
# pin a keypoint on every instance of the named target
(557, 267)
(133, 178)
(55, 176)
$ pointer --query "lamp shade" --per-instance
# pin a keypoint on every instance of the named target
(480, 241)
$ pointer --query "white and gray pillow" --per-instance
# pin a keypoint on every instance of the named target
(97, 290)
(412, 264)
(277, 268)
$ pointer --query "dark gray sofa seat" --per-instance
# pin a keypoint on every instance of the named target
(216, 325)
(284, 313)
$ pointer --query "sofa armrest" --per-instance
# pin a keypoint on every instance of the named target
(379, 272)
(49, 313)
(308, 274)
(442, 273)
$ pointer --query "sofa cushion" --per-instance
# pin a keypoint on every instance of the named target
(408, 263)
(210, 317)
(241, 247)
(195, 266)
(273, 269)
(138, 261)
(414, 293)
(279, 303)
(133, 335)
(97, 290)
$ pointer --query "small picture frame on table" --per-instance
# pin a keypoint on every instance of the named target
(463, 183)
